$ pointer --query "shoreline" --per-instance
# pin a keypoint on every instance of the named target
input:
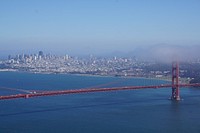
(89, 75)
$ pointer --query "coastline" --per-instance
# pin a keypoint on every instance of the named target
(8, 70)
(89, 75)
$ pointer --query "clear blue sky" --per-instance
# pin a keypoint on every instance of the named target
(96, 26)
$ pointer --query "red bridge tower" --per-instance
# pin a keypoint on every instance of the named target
(175, 81)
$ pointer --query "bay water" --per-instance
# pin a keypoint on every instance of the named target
(130, 111)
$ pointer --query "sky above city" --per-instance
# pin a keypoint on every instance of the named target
(102, 27)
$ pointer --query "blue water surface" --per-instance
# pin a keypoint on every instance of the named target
(132, 111)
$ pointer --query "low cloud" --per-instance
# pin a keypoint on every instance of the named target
(169, 53)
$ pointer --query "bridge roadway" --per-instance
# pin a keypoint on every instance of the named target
(61, 92)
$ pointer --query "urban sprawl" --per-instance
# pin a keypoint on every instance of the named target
(114, 66)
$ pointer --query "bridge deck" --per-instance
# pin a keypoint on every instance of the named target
(61, 92)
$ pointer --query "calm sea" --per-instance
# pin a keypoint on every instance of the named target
(136, 111)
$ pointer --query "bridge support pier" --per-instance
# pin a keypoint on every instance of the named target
(175, 81)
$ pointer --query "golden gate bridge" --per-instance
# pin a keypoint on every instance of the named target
(175, 86)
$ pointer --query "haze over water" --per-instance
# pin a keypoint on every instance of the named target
(141, 111)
